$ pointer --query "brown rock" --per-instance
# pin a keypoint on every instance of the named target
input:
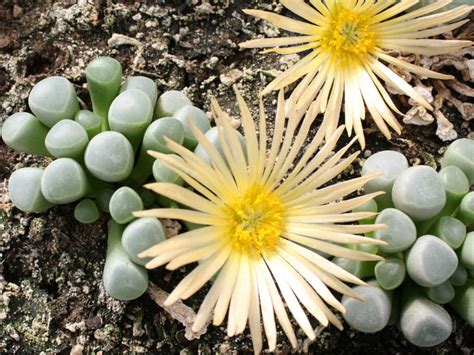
(17, 11)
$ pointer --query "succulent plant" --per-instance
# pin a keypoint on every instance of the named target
(24, 188)
(140, 235)
(123, 279)
(371, 312)
(429, 256)
(104, 75)
(53, 99)
(87, 211)
(25, 133)
(122, 203)
(102, 159)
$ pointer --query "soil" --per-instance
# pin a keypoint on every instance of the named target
(53, 298)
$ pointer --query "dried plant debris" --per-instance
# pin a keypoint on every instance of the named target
(457, 92)
(179, 311)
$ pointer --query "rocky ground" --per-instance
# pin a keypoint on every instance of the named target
(53, 299)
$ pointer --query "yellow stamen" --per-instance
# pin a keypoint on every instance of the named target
(349, 37)
(256, 220)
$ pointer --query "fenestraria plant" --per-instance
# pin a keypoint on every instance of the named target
(264, 222)
(349, 44)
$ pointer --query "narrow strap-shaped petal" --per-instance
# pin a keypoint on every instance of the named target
(313, 231)
(283, 22)
(339, 207)
(193, 255)
(186, 197)
(291, 300)
(240, 300)
(330, 193)
(222, 304)
(275, 42)
(333, 249)
(184, 215)
(254, 312)
(412, 67)
(191, 239)
(301, 265)
(300, 8)
(198, 277)
(266, 306)
(278, 305)
(322, 263)
(305, 294)
(210, 300)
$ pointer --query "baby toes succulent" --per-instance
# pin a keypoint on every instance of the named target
(429, 255)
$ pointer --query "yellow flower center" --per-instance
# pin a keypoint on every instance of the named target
(349, 38)
(256, 220)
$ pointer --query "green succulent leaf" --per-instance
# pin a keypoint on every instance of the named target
(53, 99)
(25, 133)
(109, 156)
(24, 189)
(123, 279)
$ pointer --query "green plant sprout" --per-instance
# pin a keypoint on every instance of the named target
(429, 256)
(102, 160)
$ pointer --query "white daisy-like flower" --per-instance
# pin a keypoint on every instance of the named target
(349, 44)
(264, 217)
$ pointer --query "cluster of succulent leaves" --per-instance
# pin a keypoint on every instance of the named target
(101, 160)
(429, 256)
(102, 163)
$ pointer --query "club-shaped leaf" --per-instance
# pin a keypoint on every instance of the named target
(123, 202)
(441, 294)
(123, 279)
(370, 315)
(25, 133)
(109, 156)
(170, 102)
(390, 273)
(53, 99)
(67, 139)
(460, 153)
(419, 192)
(431, 261)
(425, 323)
(64, 181)
(161, 173)
(24, 189)
(104, 76)
(466, 209)
(130, 114)
(86, 211)
(389, 163)
(198, 117)
(451, 230)
(463, 302)
(90, 121)
(459, 277)
(400, 232)
(144, 84)
(456, 186)
(140, 235)
(467, 252)
(154, 139)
